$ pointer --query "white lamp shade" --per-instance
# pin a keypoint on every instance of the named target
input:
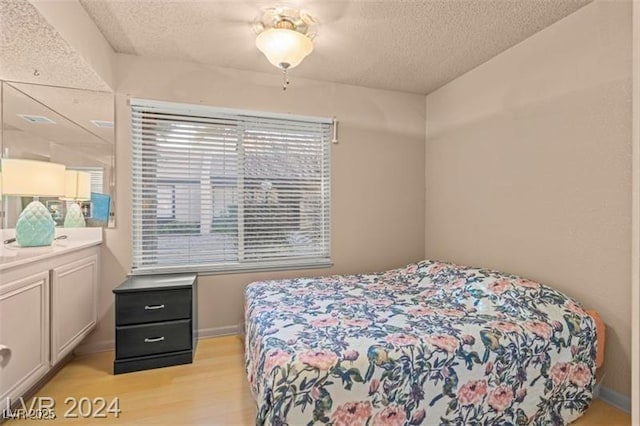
(283, 46)
(29, 178)
(77, 185)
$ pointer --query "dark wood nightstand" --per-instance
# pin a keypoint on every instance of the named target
(156, 322)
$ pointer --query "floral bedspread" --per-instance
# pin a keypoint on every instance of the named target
(431, 343)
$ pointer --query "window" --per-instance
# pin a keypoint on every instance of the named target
(228, 190)
(96, 176)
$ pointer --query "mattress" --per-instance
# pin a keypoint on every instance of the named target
(431, 343)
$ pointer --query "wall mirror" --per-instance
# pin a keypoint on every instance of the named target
(73, 127)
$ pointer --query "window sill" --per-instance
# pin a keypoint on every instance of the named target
(233, 268)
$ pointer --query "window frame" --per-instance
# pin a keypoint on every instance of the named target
(238, 266)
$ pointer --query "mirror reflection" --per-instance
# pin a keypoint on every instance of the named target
(72, 127)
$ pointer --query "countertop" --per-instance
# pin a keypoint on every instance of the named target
(12, 255)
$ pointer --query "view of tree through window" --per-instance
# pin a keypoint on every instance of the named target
(220, 190)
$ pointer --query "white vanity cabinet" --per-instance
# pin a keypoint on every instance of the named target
(24, 332)
(74, 288)
(48, 304)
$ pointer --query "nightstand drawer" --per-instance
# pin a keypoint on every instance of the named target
(156, 338)
(152, 306)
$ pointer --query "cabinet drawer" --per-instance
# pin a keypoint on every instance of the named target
(152, 306)
(149, 339)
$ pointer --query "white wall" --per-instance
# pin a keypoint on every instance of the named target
(635, 261)
(528, 167)
(377, 201)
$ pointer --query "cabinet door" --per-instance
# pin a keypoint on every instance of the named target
(73, 304)
(24, 333)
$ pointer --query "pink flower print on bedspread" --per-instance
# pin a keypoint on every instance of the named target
(400, 339)
(292, 309)
(559, 372)
(499, 286)
(350, 355)
(321, 359)
(276, 358)
(501, 398)
(352, 301)
(357, 322)
(350, 350)
(527, 284)
(352, 414)
(381, 302)
(468, 339)
(580, 374)
(455, 313)
(411, 269)
(421, 311)
(539, 328)
(472, 392)
(324, 322)
(392, 415)
(428, 293)
(577, 374)
(459, 283)
(442, 341)
(504, 327)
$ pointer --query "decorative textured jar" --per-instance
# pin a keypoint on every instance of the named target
(74, 217)
(35, 226)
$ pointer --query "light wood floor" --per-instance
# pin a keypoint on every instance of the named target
(212, 391)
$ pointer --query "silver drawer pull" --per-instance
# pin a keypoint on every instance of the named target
(153, 307)
(154, 339)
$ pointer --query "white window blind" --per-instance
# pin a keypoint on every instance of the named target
(226, 190)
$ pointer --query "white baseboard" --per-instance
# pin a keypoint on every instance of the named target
(110, 345)
(614, 398)
(228, 330)
(94, 348)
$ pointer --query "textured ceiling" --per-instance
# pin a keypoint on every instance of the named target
(413, 46)
(29, 43)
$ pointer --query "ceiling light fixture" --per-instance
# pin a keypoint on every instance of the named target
(285, 36)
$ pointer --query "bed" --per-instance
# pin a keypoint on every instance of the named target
(431, 343)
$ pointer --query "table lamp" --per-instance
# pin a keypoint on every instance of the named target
(77, 188)
(28, 178)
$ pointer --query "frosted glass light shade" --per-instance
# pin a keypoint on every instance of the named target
(77, 185)
(284, 48)
(28, 178)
